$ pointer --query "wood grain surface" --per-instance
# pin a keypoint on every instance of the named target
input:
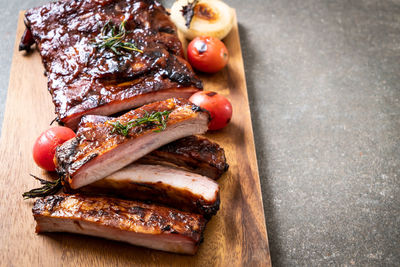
(236, 236)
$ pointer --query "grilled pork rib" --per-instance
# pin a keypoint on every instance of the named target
(193, 153)
(98, 151)
(140, 224)
(172, 187)
(85, 77)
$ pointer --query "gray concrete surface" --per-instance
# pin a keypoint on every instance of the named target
(323, 80)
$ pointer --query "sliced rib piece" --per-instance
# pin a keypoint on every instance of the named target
(98, 151)
(166, 185)
(140, 224)
(194, 153)
(87, 78)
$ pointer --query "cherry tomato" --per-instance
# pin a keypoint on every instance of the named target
(207, 54)
(217, 105)
(45, 146)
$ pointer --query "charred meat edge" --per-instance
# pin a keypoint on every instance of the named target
(140, 224)
(97, 152)
(160, 184)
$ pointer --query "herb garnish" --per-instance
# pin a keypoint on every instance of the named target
(158, 119)
(111, 37)
(188, 12)
(49, 188)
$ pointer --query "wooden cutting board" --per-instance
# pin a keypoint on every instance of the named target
(235, 236)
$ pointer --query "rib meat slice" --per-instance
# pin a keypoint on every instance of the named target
(166, 185)
(98, 151)
(85, 78)
(140, 224)
(193, 153)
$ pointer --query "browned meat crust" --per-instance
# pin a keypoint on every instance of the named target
(84, 79)
(134, 222)
(97, 151)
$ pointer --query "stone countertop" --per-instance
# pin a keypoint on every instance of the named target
(324, 87)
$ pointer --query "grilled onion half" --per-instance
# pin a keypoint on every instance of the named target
(211, 18)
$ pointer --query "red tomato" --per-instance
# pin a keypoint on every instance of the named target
(207, 54)
(45, 145)
(217, 105)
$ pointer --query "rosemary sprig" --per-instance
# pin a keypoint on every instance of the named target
(48, 188)
(158, 119)
(112, 37)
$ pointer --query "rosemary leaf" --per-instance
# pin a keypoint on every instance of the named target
(158, 119)
(48, 188)
(112, 37)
